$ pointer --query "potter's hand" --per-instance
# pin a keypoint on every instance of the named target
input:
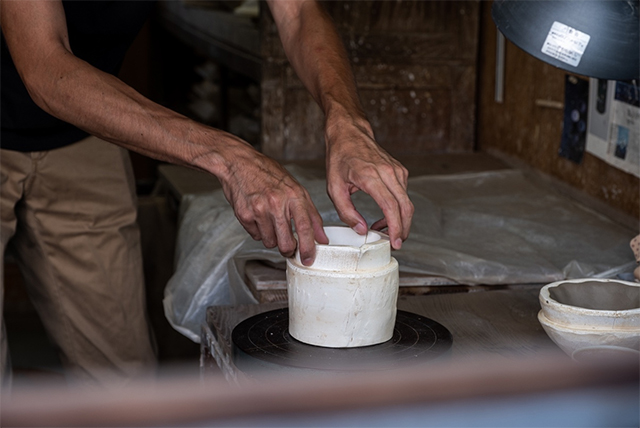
(266, 198)
(356, 162)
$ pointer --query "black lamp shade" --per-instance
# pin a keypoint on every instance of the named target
(593, 38)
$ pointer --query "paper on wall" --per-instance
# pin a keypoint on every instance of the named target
(614, 124)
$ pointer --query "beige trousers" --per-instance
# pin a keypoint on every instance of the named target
(70, 217)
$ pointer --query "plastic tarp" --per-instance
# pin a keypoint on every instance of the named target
(479, 228)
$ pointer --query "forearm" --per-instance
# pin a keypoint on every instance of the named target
(354, 160)
(70, 89)
(102, 105)
(265, 198)
(317, 54)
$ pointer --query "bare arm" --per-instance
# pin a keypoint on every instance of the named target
(264, 196)
(354, 160)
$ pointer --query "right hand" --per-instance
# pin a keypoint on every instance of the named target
(356, 162)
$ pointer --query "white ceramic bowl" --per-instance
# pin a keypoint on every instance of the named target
(591, 313)
(348, 297)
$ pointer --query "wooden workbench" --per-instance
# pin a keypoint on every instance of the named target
(501, 323)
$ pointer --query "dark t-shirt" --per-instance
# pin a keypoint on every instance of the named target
(100, 32)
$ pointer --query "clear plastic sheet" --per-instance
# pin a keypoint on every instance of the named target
(480, 228)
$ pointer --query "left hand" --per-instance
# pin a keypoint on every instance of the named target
(356, 162)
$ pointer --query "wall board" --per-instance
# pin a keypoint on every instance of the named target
(528, 124)
(415, 66)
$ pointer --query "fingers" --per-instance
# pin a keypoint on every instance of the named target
(390, 208)
(402, 175)
(271, 223)
(318, 230)
(380, 224)
(387, 185)
(268, 230)
(398, 188)
(341, 198)
(391, 196)
(306, 230)
(266, 199)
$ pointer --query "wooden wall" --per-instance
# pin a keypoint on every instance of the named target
(415, 66)
(523, 128)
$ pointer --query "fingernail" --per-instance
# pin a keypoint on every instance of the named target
(307, 261)
(360, 228)
(397, 244)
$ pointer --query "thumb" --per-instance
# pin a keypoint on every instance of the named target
(347, 211)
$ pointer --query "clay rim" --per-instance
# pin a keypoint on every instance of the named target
(566, 329)
(382, 239)
(547, 301)
(294, 264)
(381, 245)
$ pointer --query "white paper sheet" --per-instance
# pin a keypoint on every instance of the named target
(614, 124)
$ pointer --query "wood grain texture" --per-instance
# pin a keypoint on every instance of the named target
(532, 133)
(415, 67)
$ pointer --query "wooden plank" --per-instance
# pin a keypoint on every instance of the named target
(406, 17)
(463, 112)
(263, 277)
(268, 284)
(384, 74)
(407, 48)
(423, 115)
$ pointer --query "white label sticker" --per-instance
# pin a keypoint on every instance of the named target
(565, 44)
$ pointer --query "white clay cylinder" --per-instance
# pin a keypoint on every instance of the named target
(348, 297)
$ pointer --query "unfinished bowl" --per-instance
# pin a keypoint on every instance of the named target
(348, 296)
(606, 353)
(591, 313)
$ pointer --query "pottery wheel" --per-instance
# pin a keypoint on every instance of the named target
(265, 338)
